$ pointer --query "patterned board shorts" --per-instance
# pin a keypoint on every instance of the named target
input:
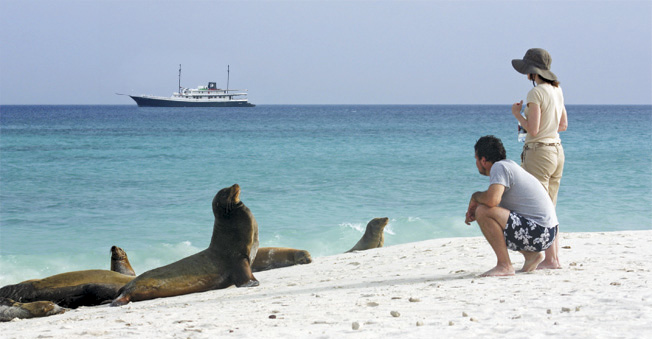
(522, 234)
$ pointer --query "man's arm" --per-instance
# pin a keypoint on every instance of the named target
(490, 197)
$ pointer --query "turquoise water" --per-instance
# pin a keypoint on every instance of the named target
(75, 180)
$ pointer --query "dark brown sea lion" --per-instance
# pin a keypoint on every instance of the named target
(225, 262)
(71, 290)
(268, 258)
(120, 262)
(10, 309)
(373, 236)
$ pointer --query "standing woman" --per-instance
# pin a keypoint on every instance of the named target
(545, 117)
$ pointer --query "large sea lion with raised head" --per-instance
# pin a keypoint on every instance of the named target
(78, 288)
(10, 309)
(373, 236)
(120, 262)
(269, 258)
(225, 262)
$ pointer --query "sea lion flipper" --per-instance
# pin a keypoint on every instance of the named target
(250, 283)
(242, 276)
(120, 300)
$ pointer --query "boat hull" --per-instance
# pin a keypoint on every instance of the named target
(154, 102)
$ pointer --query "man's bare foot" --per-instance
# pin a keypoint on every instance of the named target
(549, 265)
(499, 271)
(532, 260)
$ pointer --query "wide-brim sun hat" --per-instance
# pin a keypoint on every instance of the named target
(535, 61)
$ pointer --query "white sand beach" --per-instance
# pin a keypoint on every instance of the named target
(416, 290)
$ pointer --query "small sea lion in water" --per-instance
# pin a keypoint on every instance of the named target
(225, 262)
(120, 262)
(373, 236)
(71, 289)
(10, 309)
(268, 258)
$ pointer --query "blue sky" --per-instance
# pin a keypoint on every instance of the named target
(322, 52)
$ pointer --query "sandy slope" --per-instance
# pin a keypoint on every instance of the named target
(412, 290)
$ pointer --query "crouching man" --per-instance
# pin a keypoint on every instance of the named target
(514, 213)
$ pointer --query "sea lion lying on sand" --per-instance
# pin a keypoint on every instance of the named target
(74, 289)
(225, 262)
(10, 309)
(268, 258)
(373, 236)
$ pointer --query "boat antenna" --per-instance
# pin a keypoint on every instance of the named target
(227, 76)
(179, 78)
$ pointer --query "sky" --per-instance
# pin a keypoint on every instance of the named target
(322, 52)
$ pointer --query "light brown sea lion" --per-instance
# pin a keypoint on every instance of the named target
(225, 262)
(373, 236)
(71, 289)
(268, 258)
(120, 262)
(10, 309)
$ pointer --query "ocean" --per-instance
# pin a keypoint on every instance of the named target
(75, 180)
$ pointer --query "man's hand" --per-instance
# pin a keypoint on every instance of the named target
(470, 212)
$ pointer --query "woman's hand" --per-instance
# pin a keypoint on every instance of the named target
(516, 109)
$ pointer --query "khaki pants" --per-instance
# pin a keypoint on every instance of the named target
(546, 163)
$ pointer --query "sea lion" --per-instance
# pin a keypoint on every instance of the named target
(268, 258)
(71, 289)
(225, 262)
(373, 236)
(10, 309)
(120, 262)
(79, 288)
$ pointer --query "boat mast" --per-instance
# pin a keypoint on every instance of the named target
(227, 77)
(179, 78)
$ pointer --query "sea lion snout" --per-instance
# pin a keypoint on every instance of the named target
(235, 194)
(227, 198)
(117, 253)
(381, 221)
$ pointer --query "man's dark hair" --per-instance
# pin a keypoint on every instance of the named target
(491, 148)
